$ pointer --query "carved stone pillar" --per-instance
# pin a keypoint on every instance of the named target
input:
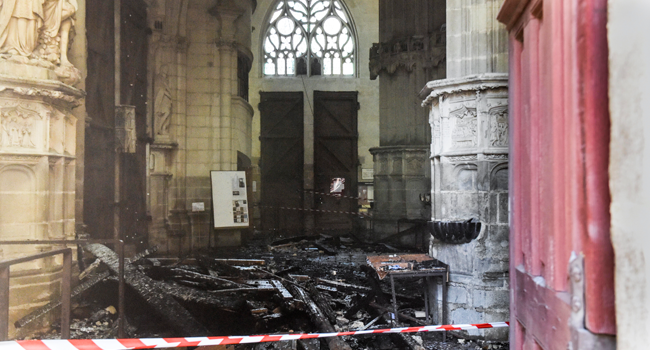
(37, 176)
(38, 142)
(469, 154)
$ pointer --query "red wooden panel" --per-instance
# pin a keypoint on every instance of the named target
(559, 157)
(599, 254)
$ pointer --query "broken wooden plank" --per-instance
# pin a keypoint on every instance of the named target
(326, 288)
(90, 269)
(167, 308)
(283, 291)
(319, 319)
(300, 278)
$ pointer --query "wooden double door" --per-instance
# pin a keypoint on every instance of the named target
(290, 192)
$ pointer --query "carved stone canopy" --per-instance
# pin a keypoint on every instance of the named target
(407, 52)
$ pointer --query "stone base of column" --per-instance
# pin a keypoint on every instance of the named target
(469, 123)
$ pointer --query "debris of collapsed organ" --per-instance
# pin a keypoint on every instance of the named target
(305, 284)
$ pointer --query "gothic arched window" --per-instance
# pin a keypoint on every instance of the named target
(314, 37)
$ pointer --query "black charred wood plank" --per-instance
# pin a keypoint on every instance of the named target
(322, 302)
(166, 307)
(319, 319)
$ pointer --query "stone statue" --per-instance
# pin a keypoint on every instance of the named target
(162, 103)
(59, 17)
(20, 21)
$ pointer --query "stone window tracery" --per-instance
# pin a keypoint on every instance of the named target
(314, 37)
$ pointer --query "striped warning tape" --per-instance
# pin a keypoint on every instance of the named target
(318, 211)
(331, 194)
(149, 343)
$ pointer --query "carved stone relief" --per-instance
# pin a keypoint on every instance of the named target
(499, 127)
(465, 131)
(18, 125)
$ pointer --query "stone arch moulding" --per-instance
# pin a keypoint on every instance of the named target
(308, 17)
(494, 181)
(458, 172)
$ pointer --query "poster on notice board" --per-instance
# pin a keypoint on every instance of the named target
(229, 200)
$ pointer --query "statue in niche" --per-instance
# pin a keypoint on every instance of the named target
(162, 102)
(499, 129)
(58, 26)
(20, 22)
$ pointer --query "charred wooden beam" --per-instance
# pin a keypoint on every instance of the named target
(322, 302)
(143, 254)
(320, 320)
(224, 269)
(167, 308)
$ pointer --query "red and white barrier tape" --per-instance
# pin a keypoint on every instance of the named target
(319, 211)
(149, 343)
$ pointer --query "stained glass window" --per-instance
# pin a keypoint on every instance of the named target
(312, 37)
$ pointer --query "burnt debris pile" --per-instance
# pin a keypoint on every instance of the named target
(304, 284)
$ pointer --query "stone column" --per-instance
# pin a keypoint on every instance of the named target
(38, 147)
(469, 162)
(411, 52)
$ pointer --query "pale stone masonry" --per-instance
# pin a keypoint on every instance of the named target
(195, 57)
(38, 149)
(469, 162)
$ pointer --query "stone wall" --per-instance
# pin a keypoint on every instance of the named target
(410, 52)
(629, 167)
(199, 120)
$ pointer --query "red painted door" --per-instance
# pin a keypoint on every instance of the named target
(559, 164)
